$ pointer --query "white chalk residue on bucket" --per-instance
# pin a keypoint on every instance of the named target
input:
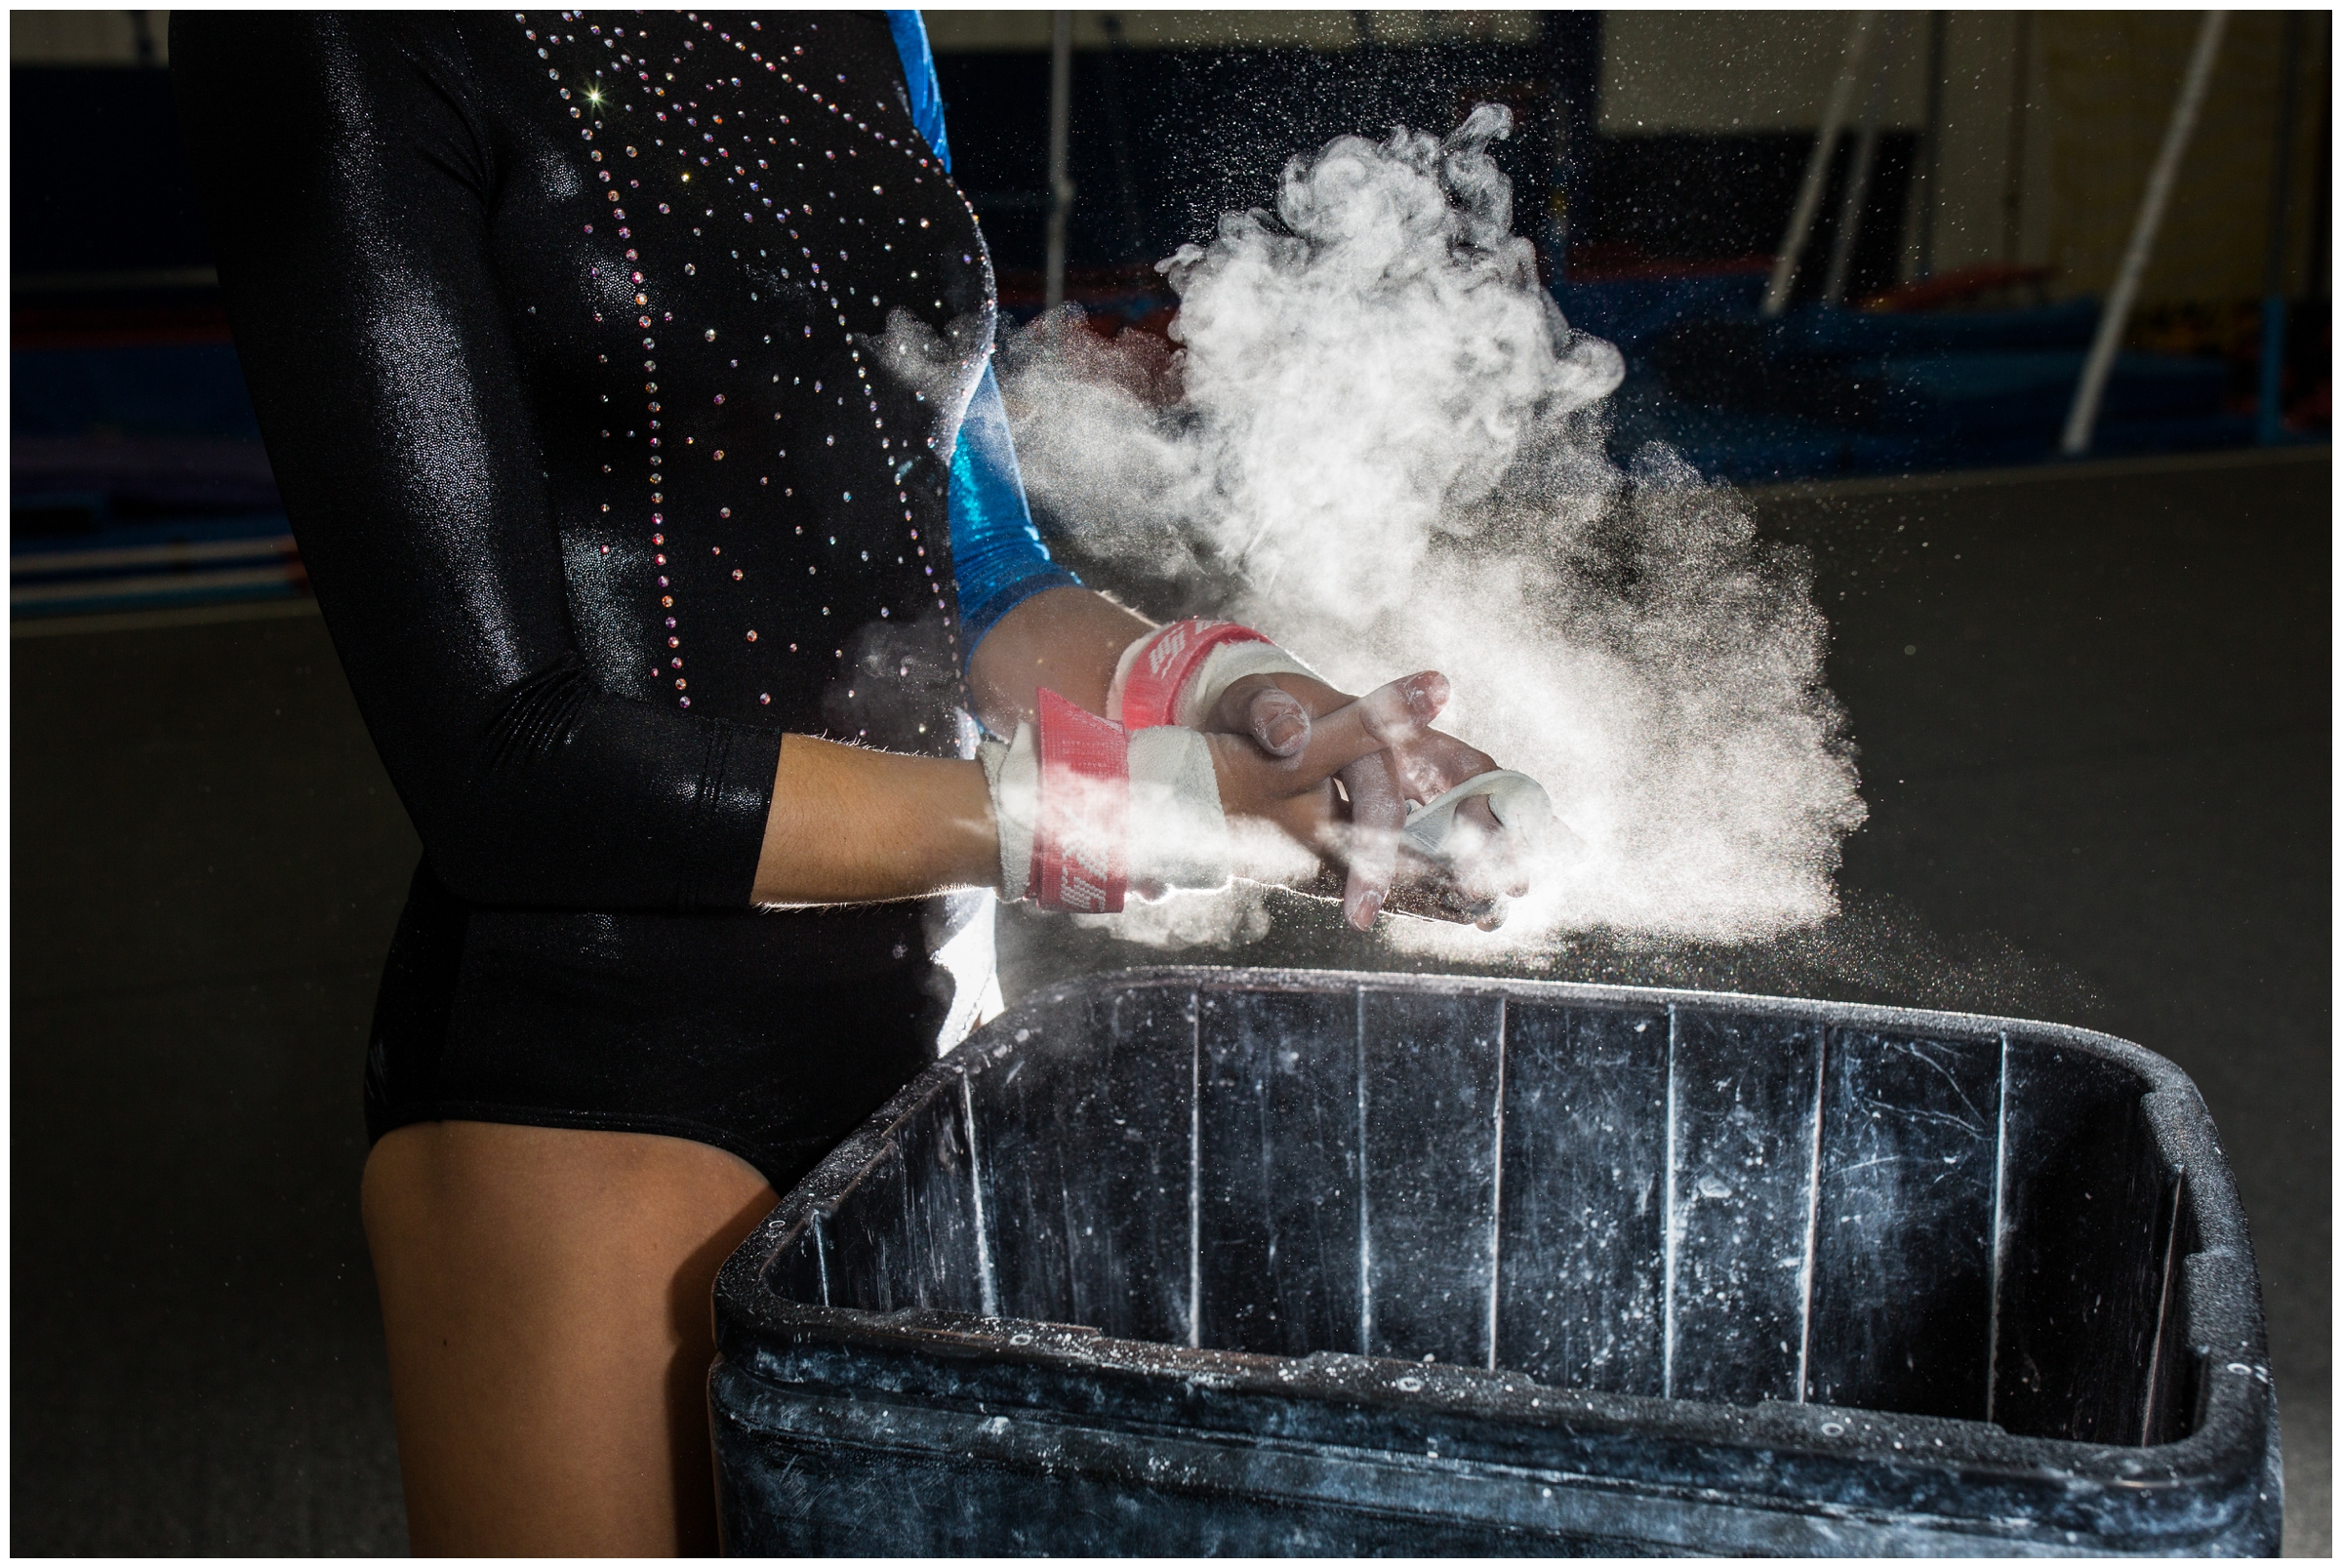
(1377, 426)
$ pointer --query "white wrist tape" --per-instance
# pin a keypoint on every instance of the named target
(1178, 673)
(1014, 771)
(1178, 831)
(1520, 803)
(1088, 812)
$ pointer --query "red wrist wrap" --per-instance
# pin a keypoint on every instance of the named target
(1081, 842)
(1150, 696)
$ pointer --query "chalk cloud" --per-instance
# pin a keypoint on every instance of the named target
(1379, 442)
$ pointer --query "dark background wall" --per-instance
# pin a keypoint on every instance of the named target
(101, 187)
(1148, 182)
(97, 182)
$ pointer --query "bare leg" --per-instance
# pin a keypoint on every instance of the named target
(546, 1295)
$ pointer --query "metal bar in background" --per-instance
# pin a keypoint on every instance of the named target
(1061, 114)
(82, 623)
(2317, 283)
(1569, 47)
(1931, 145)
(1117, 132)
(2087, 395)
(155, 277)
(2271, 422)
(1858, 177)
(177, 554)
(1817, 168)
(2020, 94)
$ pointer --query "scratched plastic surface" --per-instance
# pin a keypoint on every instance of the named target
(1268, 1261)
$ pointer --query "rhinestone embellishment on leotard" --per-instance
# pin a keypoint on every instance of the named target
(693, 144)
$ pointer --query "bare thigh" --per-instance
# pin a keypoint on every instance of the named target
(547, 1298)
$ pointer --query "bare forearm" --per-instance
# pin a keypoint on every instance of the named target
(855, 826)
(1065, 639)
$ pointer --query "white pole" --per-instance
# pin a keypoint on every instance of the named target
(2083, 417)
(1061, 112)
(1817, 168)
(1858, 176)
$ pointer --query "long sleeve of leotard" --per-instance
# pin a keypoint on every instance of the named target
(998, 558)
(347, 192)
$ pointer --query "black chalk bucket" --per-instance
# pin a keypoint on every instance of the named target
(1270, 1262)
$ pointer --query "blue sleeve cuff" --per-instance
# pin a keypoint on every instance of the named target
(998, 558)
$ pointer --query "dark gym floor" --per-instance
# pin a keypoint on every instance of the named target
(2094, 709)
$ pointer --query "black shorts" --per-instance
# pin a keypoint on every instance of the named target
(770, 1034)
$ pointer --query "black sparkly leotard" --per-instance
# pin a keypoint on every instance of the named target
(610, 369)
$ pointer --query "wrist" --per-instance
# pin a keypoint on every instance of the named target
(1177, 674)
(1086, 811)
(849, 826)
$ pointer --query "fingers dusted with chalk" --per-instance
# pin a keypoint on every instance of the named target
(1389, 715)
(1297, 787)
(1279, 722)
(1279, 749)
(1377, 811)
(1273, 716)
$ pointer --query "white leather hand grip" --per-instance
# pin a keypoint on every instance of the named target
(1088, 812)
(1520, 803)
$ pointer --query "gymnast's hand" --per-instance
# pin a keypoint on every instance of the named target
(1290, 785)
(1338, 802)
(1481, 860)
